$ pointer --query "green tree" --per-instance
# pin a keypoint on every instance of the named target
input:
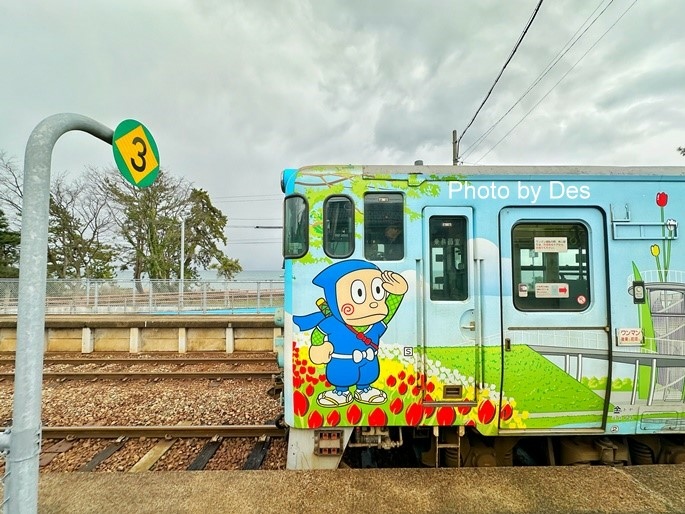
(149, 221)
(9, 249)
(79, 224)
(206, 229)
(78, 230)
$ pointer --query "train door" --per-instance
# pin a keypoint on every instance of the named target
(448, 322)
(555, 322)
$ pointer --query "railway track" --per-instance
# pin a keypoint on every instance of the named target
(217, 368)
(177, 431)
(178, 361)
(149, 375)
(158, 443)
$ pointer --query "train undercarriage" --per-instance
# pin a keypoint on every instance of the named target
(460, 447)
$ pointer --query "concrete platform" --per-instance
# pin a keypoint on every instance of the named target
(639, 489)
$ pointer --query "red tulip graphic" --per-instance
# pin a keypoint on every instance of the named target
(661, 199)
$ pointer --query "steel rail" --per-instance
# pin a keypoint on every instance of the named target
(48, 361)
(201, 431)
(119, 375)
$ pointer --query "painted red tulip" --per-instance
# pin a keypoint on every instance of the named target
(322, 377)
(378, 418)
(470, 423)
(311, 370)
(411, 379)
(661, 199)
(402, 389)
(315, 420)
(428, 411)
(300, 403)
(333, 418)
(445, 416)
(354, 414)
(506, 412)
(486, 412)
(430, 387)
(391, 381)
(415, 391)
(464, 409)
(310, 390)
(413, 414)
(396, 406)
(401, 375)
(303, 370)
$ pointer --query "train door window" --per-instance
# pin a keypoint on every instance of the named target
(384, 226)
(550, 266)
(338, 226)
(448, 260)
(295, 227)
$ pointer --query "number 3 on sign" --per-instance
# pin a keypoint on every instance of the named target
(135, 153)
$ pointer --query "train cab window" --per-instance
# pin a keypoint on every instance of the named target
(338, 226)
(448, 260)
(295, 229)
(550, 263)
(384, 227)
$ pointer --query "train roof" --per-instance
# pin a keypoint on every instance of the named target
(373, 170)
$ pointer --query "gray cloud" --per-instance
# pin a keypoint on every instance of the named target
(235, 91)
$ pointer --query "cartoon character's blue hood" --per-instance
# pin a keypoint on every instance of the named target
(327, 280)
(329, 277)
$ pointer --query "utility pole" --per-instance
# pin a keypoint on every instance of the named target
(20, 443)
(455, 148)
(181, 287)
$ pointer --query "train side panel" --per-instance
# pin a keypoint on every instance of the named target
(521, 303)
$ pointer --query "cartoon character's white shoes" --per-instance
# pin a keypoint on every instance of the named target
(370, 395)
(333, 399)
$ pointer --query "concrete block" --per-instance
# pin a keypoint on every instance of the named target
(254, 339)
(8, 339)
(86, 340)
(64, 339)
(205, 339)
(111, 339)
(159, 340)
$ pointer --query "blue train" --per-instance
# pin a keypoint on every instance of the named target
(472, 310)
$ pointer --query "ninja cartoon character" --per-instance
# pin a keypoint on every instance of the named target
(360, 300)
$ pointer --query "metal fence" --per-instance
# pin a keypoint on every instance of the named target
(151, 296)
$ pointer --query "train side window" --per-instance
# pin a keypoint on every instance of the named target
(338, 226)
(448, 259)
(384, 226)
(295, 227)
(550, 265)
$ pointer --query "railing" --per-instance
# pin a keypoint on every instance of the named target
(151, 296)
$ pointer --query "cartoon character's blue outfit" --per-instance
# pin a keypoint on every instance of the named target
(354, 360)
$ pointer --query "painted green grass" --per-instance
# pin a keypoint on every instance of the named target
(535, 383)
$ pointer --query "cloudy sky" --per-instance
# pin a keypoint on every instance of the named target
(235, 91)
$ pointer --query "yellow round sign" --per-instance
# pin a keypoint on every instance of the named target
(135, 153)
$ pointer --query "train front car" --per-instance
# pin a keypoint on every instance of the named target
(476, 310)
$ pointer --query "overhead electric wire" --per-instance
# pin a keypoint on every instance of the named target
(511, 55)
(558, 82)
(564, 50)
